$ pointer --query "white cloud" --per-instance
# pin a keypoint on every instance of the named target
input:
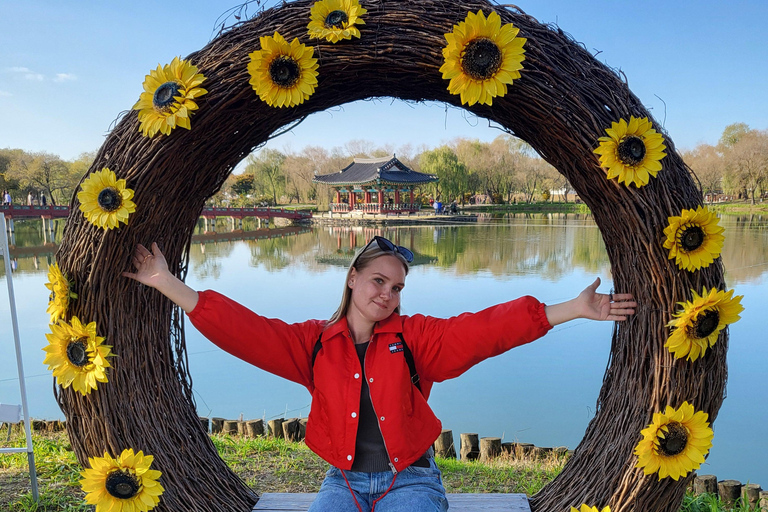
(65, 77)
(26, 73)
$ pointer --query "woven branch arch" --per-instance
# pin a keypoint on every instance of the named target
(562, 103)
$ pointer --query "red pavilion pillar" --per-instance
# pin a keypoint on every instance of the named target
(381, 200)
(397, 197)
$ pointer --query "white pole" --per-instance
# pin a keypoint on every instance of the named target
(22, 384)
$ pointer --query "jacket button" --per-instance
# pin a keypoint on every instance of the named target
(382, 418)
(357, 375)
(349, 457)
(396, 459)
(354, 415)
(370, 380)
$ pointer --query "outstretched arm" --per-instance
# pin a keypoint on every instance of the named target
(152, 270)
(592, 305)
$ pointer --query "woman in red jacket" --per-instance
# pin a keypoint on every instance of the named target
(370, 370)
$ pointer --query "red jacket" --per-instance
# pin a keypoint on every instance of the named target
(442, 349)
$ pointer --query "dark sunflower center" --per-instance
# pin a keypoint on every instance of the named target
(110, 199)
(705, 324)
(77, 352)
(675, 439)
(122, 484)
(482, 58)
(691, 238)
(336, 19)
(284, 71)
(163, 97)
(632, 150)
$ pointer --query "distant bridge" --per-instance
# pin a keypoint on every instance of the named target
(16, 211)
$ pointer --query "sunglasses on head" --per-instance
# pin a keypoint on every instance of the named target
(387, 246)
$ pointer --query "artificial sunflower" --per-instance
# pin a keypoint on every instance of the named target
(675, 443)
(105, 200)
(631, 151)
(125, 484)
(694, 239)
(334, 20)
(482, 57)
(283, 74)
(698, 325)
(587, 508)
(61, 292)
(169, 96)
(76, 355)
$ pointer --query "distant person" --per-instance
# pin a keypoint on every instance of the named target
(6, 198)
(454, 208)
(43, 201)
(370, 370)
(30, 199)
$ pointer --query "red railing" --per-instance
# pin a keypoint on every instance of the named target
(16, 211)
(376, 208)
(20, 211)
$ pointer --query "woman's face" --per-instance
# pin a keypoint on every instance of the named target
(376, 289)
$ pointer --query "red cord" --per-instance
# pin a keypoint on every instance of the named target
(385, 493)
(374, 501)
(351, 491)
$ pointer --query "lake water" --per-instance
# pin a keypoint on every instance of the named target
(542, 393)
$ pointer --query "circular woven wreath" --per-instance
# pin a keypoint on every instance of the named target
(499, 64)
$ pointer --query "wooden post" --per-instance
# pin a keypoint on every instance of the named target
(444, 445)
(763, 501)
(729, 490)
(470, 446)
(303, 428)
(276, 428)
(204, 423)
(705, 484)
(230, 427)
(217, 425)
(524, 449)
(255, 428)
(291, 429)
(562, 451)
(508, 449)
(750, 494)
(38, 425)
(490, 448)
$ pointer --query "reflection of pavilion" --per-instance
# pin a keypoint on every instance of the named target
(348, 241)
(380, 180)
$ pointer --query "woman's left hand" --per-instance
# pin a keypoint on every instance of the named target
(600, 306)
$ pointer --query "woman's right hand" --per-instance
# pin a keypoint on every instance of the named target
(152, 270)
(151, 267)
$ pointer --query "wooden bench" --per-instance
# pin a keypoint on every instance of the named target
(299, 502)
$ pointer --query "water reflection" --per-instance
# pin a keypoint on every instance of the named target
(546, 245)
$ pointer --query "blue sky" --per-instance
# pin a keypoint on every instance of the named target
(69, 67)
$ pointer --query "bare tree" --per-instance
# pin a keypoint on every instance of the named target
(747, 162)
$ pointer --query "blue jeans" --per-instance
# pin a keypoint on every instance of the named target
(415, 490)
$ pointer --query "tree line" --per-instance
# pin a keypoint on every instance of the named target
(23, 173)
(737, 167)
(504, 170)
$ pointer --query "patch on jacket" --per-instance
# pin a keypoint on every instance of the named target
(396, 347)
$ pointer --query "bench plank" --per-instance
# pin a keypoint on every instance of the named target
(465, 502)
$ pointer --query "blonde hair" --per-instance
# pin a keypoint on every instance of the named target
(363, 258)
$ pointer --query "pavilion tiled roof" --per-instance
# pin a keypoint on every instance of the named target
(387, 170)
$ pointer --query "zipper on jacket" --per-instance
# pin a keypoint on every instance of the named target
(378, 423)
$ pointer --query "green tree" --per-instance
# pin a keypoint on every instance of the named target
(243, 185)
(267, 170)
(732, 133)
(453, 175)
(747, 162)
